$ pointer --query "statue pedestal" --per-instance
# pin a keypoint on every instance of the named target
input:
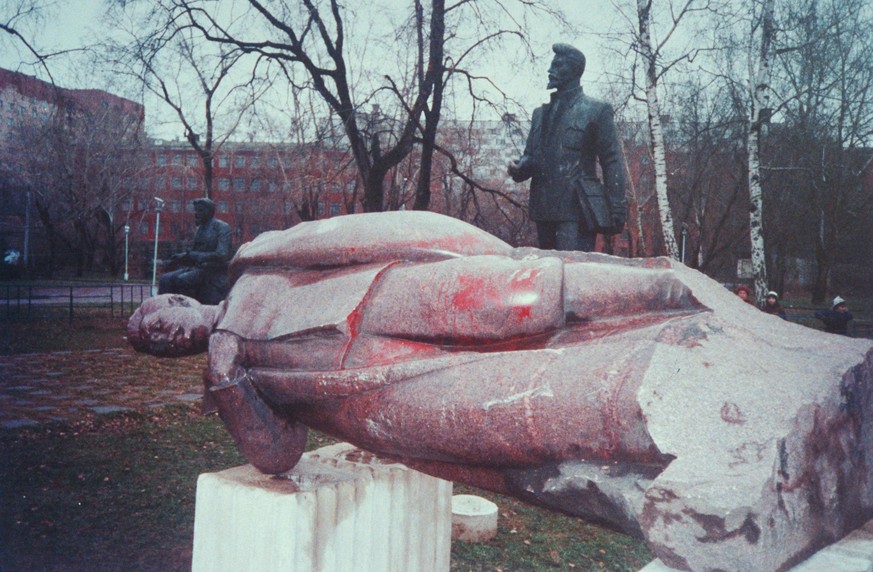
(338, 509)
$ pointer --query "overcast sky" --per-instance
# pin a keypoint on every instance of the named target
(71, 24)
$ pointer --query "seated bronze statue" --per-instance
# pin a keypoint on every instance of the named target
(603, 387)
(201, 272)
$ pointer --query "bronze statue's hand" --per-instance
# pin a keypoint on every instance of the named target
(513, 168)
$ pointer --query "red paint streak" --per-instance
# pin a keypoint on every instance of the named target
(731, 413)
(357, 315)
(471, 294)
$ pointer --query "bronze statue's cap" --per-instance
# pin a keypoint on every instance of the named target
(204, 201)
(571, 53)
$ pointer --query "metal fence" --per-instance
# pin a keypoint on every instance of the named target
(24, 302)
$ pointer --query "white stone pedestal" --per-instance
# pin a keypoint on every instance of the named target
(474, 519)
(338, 510)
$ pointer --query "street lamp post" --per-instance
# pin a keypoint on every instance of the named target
(159, 206)
(126, 235)
(684, 237)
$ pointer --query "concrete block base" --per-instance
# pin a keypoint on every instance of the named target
(338, 509)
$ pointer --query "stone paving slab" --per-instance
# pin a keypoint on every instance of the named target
(65, 386)
(854, 553)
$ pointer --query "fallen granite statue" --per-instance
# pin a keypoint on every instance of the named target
(635, 393)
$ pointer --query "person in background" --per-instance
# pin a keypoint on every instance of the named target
(836, 320)
(772, 305)
(745, 293)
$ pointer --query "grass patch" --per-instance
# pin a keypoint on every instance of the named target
(109, 493)
(91, 329)
(531, 538)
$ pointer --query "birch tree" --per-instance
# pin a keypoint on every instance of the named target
(649, 55)
(656, 62)
(759, 85)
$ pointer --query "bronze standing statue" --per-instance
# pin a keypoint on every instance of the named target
(568, 137)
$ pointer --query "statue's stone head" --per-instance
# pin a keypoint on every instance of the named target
(204, 210)
(567, 67)
(171, 325)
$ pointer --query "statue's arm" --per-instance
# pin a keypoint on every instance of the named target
(523, 169)
(271, 442)
(611, 163)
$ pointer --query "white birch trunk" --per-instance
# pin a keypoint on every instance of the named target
(759, 86)
(656, 132)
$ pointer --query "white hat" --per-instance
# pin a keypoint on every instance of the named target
(837, 302)
(772, 293)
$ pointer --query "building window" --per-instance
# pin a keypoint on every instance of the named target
(223, 184)
(271, 187)
(177, 182)
(222, 162)
(192, 182)
(239, 184)
(160, 183)
(221, 206)
(334, 208)
(193, 160)
(254, 162)
(177, 159)
(175, 206)
(162, 159)
(239, 161)
(144, 227)
(256, 185)
(319, 208)
(239, 208)
(274, 162)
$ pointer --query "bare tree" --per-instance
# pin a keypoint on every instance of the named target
(656, 58)
(81, 165)
(209, 88)
(313, 35)
(18, 20)
(821, 151)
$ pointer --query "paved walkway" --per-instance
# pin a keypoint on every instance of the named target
(67, 386)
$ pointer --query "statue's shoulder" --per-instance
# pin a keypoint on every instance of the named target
(366, 238)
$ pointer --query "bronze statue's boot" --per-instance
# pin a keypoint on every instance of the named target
(270, 442)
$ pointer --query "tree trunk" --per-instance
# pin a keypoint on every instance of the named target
(431, 114)
(374, 178)
(656, 131)
(757, 118)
